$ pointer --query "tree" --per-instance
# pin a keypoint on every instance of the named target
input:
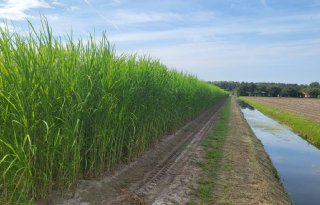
(262, 87)
(314, 85)
(289, 92)
(314, 92)
(275, 91)
(265, 89)
(242, 89)
(252, 87)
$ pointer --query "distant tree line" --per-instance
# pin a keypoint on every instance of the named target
(270, 89)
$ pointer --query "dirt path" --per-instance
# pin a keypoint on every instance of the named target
(168, 174)
(164, 175)
(246, 175)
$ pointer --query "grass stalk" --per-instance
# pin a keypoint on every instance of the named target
(72, 109)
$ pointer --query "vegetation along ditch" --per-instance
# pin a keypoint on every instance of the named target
(297, 161)
(306, 127)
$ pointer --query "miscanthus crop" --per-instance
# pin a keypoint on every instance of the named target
(73, 108)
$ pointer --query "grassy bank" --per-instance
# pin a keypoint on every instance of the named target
(308, 128)
(212, 146)
(73, 109)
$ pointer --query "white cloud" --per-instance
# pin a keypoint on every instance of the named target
(16, 9)
(100, 14)
(220, 59)
(201, 16)
(73, 8)
(8, 27)
(52, 17)
(188, 33)
(58, 3)
(206, 32)
(240, 29)
(122, 17)
(117, 1)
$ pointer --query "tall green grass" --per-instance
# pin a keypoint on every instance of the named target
(71, 109)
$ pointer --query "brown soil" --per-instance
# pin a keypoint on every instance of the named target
(166, 174)
(246, 174)
(309, 107)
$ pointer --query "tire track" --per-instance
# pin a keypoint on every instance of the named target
(142, 181)
(169, 166)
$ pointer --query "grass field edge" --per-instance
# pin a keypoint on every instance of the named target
(212, 148)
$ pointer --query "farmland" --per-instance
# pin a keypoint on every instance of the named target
(308, 107)
(302, 115)
(159, 102)
(73, 109)
(79, 123)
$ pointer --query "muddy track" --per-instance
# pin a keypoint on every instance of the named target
(143, 181)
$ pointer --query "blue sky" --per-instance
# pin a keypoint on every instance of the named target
(240, 40)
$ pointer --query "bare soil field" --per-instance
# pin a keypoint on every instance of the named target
(246, 174)
(308, 107)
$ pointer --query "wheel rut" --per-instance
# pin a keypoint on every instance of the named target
(143, 181)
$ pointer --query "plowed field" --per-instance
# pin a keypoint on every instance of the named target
(302, 106)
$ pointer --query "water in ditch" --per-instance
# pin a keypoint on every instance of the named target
(296, 160)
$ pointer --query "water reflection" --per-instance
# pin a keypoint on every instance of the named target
(244, 105)
(297, 161)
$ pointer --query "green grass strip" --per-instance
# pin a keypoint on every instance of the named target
(212, 146)
(305, 127)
